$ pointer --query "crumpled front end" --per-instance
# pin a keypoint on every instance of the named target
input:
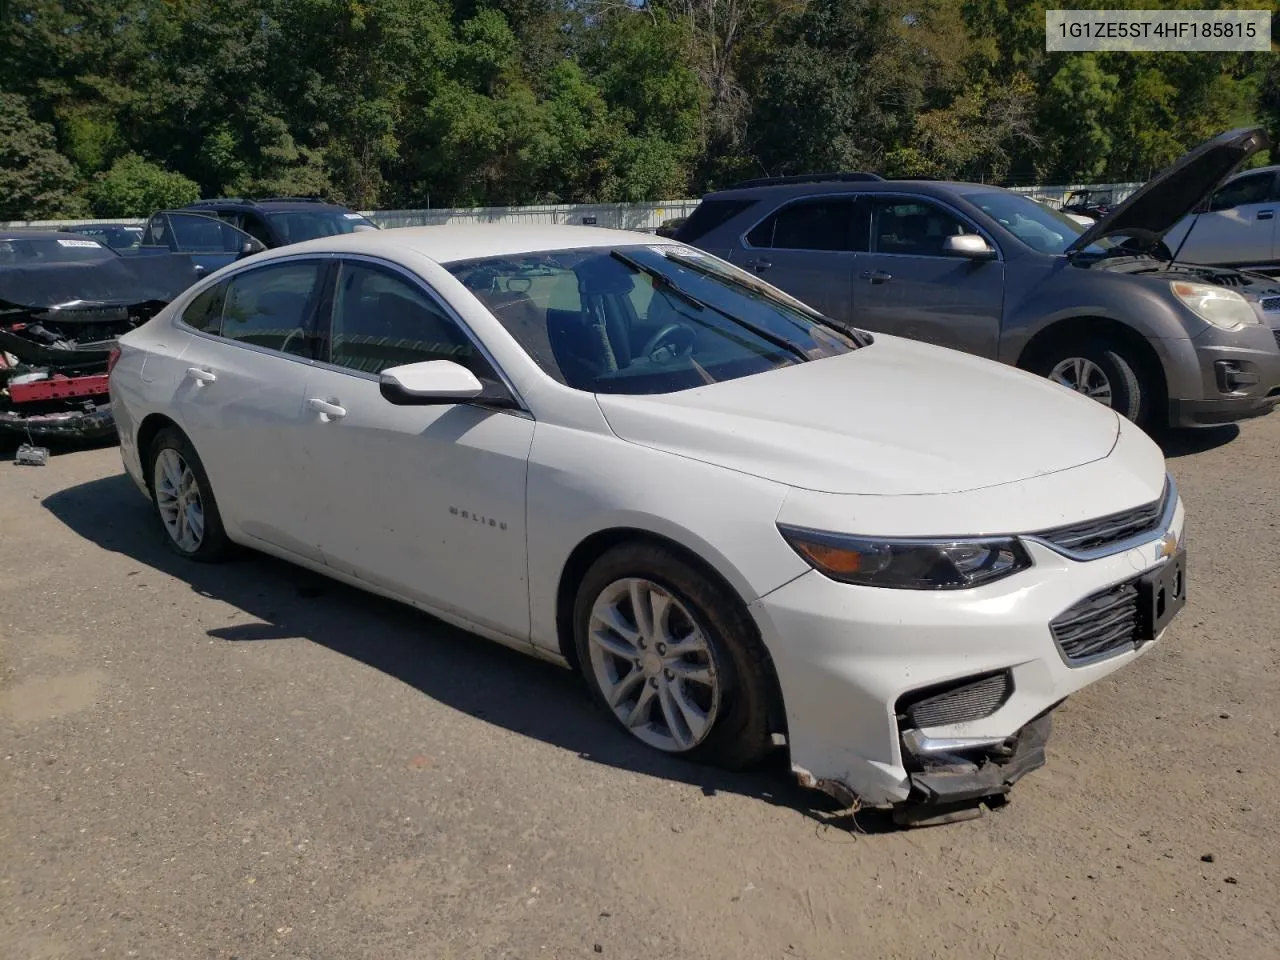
(53, 367)
(931, 701)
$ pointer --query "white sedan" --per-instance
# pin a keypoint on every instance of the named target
(744, 525)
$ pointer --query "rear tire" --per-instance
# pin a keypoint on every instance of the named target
(1101, 370)
(689, 675)
(185, 508)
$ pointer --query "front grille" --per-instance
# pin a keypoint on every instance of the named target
(1270, 304)
(1111, 529)
(1276, 333)
(1102, 624)
(971, 700)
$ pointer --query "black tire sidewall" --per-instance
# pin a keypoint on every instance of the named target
(1128, 398)
(739, 736)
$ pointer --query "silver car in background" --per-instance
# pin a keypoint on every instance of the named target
(1105, 309)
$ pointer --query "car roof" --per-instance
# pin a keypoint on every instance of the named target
(451, 243)
(827, 187)
(280, 205)
(1270, 168)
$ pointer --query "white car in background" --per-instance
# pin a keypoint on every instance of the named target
(1236, 227)
(744, 525)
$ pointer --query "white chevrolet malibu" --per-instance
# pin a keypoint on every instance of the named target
(744, 525)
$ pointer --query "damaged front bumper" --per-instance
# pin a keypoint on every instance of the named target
(929, 703)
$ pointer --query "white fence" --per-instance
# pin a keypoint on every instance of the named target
(623, 216)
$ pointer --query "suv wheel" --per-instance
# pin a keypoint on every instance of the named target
(1099, 370)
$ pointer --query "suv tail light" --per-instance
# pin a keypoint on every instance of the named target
(112, 356)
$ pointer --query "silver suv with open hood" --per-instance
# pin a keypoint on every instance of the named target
(1106, 309)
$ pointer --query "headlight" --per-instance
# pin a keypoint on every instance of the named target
(908, 564)
(1223, 308)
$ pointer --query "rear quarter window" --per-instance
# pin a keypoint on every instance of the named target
(709, 215)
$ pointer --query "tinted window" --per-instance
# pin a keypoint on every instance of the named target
(200, 234)
(270, 306)
(298, 225)
(257, 228)
(1254, 188)
(708, 215)
(381, 320)
(646, 319)
(204, 313)
(914, 227)
(828, 224)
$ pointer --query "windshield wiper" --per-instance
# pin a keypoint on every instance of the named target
(859, 338)
(660, 279)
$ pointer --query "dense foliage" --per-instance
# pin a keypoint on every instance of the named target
(113, 107)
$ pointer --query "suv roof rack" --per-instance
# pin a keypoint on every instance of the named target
(808, 178)
(291, 200)
(215, 201)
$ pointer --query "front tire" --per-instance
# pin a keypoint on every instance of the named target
(183, 499)
(674, 657)
(1100, 370)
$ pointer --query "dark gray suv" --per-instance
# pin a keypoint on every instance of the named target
(1107, 309)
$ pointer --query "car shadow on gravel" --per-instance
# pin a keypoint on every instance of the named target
(470, 674)
(1186, 443)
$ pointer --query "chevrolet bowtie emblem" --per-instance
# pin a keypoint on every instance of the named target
(1168, 545)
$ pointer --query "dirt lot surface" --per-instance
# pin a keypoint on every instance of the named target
(249, 761)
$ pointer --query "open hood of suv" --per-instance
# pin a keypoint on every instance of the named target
(1174, 192)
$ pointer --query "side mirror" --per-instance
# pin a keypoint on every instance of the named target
(968, 245)
(250, 247)
(429, 383)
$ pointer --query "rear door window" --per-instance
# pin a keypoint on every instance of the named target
(273, 306)
(828, 223)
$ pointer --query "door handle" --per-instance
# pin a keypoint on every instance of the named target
(1266, 214)
(201, 374)
(759, 266)
(328, 409)
(877, 276)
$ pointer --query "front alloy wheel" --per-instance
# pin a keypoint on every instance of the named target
(653, 665)
(675, 656)
(1083, 376)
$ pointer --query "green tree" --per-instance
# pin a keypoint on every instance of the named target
(134, 187)
(36, 181)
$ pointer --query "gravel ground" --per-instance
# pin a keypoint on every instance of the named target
(249, 761)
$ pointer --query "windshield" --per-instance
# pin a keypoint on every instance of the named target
(1038, 226)
(646, 319)
(26, 250)
(299, 225)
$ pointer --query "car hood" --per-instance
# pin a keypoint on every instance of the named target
(896, 417)
(1174, 192)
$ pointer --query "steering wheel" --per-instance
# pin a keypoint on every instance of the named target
(673, 340)
(296, 334)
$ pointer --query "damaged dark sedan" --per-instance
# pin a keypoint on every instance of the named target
(63, 302)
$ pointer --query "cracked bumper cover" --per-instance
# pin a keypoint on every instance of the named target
(845, 657)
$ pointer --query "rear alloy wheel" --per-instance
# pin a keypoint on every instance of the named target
(674, 657)
(183, 499)
(1099, 370)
